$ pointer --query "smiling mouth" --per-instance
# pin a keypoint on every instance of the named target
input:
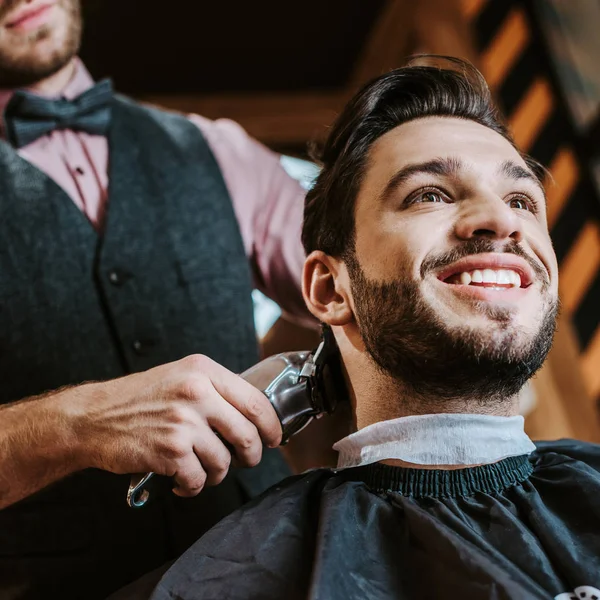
(493, 279)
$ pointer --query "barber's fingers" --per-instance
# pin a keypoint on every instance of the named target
(241, 435)
(190, 477)
(249, 401)
(214, 457)
(207, 464)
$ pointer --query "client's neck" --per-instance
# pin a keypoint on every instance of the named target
(377, 396)
(380, 398)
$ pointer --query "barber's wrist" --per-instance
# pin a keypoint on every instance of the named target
(67, 410)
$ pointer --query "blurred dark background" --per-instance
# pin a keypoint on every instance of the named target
(182, 47)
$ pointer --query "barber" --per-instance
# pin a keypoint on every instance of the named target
(128, 241)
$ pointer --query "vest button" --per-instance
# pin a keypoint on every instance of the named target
(143, 347)
(117, 277)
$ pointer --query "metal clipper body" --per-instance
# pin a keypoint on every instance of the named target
(301, 386)
(278, 377)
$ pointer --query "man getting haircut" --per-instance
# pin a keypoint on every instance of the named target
(430, 259)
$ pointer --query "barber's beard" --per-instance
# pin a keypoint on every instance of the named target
(20, 64)
(436, 365)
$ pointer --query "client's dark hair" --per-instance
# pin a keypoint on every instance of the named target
(402, 95)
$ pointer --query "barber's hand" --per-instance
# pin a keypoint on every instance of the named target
(166, 420)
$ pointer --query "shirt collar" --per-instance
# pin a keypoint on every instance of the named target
(440, 439)
(79, 83)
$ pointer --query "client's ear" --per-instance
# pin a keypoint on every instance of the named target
(325, 287)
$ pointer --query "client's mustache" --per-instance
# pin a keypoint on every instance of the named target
(482, 246)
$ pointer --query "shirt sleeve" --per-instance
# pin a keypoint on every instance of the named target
(269, 206)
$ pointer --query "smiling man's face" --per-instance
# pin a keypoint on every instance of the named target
(453, 275)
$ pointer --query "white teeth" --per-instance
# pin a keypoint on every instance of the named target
(503, 277)
(500, 277)
(477, 276)
(489, 276)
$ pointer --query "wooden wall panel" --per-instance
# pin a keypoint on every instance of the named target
(578, 269)
(565, 175)
(514, 60)
(500, 56)
(591, 365)
(531, 114)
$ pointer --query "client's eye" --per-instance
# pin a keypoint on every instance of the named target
(520, 203)
(429, 197)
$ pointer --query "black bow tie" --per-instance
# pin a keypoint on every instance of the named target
(28, 116)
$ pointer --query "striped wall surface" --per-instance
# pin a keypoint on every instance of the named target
(514, 60)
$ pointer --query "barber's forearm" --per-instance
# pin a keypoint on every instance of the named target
(37, 444)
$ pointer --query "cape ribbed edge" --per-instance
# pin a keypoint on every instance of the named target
(439, 483)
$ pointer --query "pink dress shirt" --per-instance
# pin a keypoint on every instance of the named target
(268, 202)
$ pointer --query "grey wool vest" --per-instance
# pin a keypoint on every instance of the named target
(168, 278)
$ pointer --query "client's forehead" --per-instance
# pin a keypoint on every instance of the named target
(474, 148)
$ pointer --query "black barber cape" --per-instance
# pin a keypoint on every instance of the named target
(526, 527)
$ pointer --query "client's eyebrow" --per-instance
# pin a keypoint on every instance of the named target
(444, 167)
(514, 171)
(450, 167)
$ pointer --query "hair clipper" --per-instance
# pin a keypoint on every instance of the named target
(301, 386)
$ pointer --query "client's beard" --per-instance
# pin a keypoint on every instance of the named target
(433, 363)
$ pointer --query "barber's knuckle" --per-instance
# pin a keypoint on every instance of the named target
(198, 362)
(182, 422)
(174, 450)
(176, 415)
(245, 443)
(246, 440)
(255, 408)
(221, 469)
(193, 388)
(194, 484)
(175, 445)
(226, 462)
(198, 480)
